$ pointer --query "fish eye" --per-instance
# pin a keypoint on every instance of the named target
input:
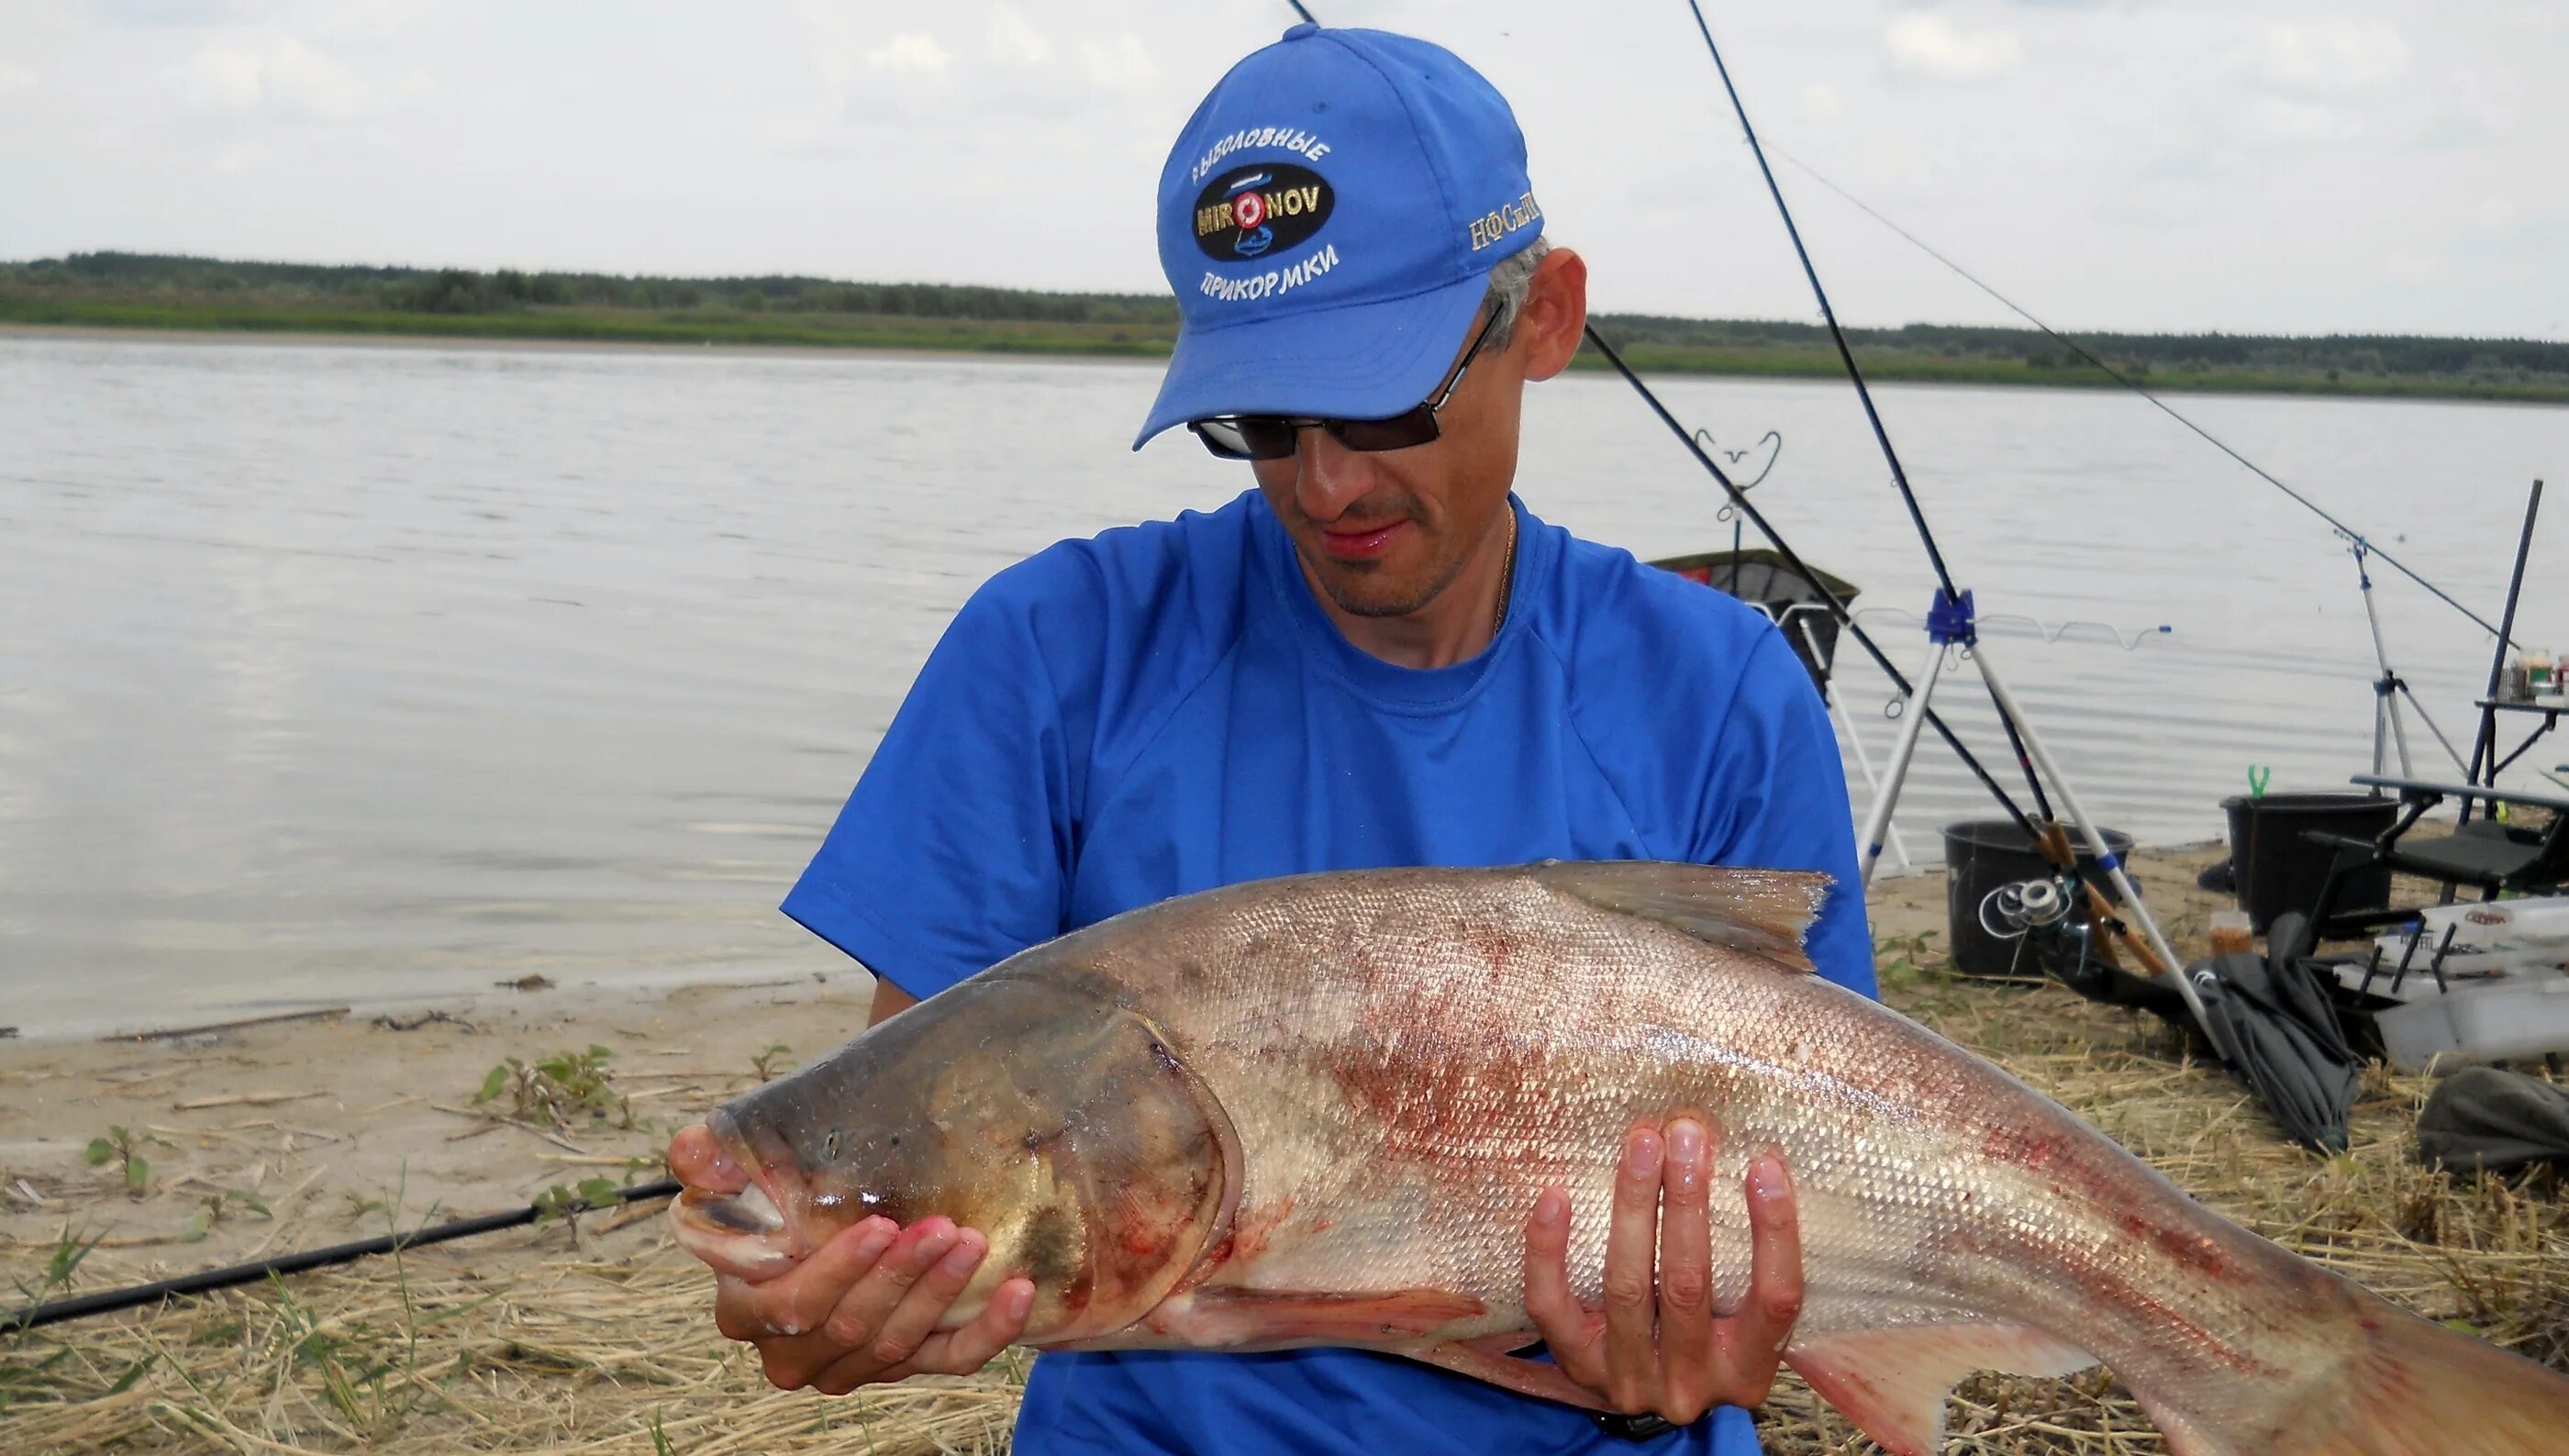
(830, 1144)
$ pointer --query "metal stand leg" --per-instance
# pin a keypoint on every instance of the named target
(2385, 688)
(1903, 749)
(1846, 722)
(1864, 763)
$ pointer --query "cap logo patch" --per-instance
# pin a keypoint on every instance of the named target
(1251, 211)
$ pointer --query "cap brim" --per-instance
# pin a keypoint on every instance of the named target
(1363, 361)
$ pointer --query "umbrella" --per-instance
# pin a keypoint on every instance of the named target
(2275, 1030)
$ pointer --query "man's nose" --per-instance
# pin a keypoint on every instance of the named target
(1328, 477)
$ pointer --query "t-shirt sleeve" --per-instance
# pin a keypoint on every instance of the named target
(953, 851)
(1778, 801)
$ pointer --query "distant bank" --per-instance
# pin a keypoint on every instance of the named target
(152, 292)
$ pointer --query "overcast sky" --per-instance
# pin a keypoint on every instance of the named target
(2300, 165)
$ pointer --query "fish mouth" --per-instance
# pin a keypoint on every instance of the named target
(744, 1234)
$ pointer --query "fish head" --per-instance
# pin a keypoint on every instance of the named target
(1059, 1124)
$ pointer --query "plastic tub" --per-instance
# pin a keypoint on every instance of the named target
(2277, 870)
(2489, 1022)
(1980, 856)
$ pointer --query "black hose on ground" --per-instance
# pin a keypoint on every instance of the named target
(110, 1300)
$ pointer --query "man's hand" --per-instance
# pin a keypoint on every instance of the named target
(1659, 1347)
(865, 1307)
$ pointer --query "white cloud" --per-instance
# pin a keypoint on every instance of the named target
(1015, 39)
(1930, 45)
(279, 74)
(15, 78)
(916, 52)
(1820, 100)
(1121, 64)
(2277, 122)
(2330, 55)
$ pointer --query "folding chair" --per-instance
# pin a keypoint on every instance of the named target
(2486, 854)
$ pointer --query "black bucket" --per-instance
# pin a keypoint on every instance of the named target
(1980, 856)
(2276, 870)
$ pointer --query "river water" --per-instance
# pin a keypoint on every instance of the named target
(370, 674)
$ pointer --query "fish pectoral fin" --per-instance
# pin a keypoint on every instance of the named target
(1229, 1317)
(1892, 1384)
(1761, 911)
(1487, 1359)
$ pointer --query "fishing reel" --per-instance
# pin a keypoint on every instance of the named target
(2024, 906)
(2037, 914)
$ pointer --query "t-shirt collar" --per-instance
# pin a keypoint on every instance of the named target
(1412, 688)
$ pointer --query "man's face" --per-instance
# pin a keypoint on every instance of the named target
(1384, 531)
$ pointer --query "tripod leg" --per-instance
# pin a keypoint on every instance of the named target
(1903, 749)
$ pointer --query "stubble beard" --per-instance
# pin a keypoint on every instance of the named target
(1345, 590)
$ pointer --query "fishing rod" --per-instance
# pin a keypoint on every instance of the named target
(2352, 537)
(1951, 624)
(109, 1301)
(1881, 437)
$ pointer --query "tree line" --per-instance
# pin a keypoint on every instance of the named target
(465, 291)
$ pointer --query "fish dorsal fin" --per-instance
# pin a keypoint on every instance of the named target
(1761, 911)
(1893, 1384)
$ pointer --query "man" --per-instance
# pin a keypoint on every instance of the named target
(1376, 657)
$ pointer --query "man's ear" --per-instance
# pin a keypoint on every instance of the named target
(1556, 313)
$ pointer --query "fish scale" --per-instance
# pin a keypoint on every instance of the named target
(1326, 1104)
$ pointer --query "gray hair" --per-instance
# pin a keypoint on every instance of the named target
(1510, 280)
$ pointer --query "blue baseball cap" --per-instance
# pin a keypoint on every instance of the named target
(1329, 219)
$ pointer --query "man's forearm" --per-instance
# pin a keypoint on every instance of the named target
(889, 999)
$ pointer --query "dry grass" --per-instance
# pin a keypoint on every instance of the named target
(530, 1345)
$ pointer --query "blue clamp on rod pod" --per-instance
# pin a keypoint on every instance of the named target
(1953, 621)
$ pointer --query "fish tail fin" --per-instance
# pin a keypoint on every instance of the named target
(2420, 1390)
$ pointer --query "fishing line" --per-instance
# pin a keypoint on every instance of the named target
(2349, 533)
(110, 1300)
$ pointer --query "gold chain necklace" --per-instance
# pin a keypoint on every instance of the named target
(1507, 578)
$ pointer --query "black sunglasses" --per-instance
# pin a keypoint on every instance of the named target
(1273, 437)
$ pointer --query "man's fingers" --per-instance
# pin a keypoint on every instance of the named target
(1632, 1256)
(963, 1351)
(1685, 1272)
(841, 1376)
(798, 1300)
(859, 1314)
(1765, 1319)
(1558, 1316)
(915, 1318)
(795, 1302)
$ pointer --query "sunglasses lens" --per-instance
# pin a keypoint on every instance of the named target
(1400, 432)
(1221, 437)
(1246, 437)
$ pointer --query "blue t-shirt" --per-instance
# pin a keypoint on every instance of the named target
(1166, 709)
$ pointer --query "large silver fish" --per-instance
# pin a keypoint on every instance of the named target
(1318, 1111)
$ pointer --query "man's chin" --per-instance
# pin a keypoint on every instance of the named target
(1369, 594)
